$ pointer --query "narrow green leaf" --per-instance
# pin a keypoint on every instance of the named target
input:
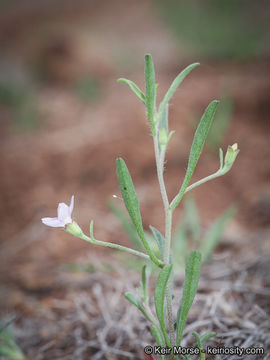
(193, 268)
(159, 298)
(175, 84)
(134, 88)
(164, 122)
(207, 336)
(157, 335)
(213, 236)
(150, 90)
(198, 339)
(196, 148)
(8, 346)
(132, 204)
(134, 301)
(192, 218)
(202, 340)
(160, 240)
(145, 285)
(127, 225)
(11, 351)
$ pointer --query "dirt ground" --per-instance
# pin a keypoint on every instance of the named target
(73, 151)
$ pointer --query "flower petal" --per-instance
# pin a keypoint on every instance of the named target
(71, 206)
(53, 222)
(63, 212)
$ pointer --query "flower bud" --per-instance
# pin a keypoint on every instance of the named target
(163, 137)
(74, 229)
(230, 157)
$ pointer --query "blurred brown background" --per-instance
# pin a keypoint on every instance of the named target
(64, 119)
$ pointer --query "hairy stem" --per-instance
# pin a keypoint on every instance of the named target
(115, 246)
(160, 157)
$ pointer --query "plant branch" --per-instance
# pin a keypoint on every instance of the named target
(114, 246)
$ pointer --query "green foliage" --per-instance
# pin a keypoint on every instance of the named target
(133, 300)
(189, 234)
(212, 237)
(192, 219)
(145, 285)
(218, 28)
(157, 335)
(220, 125)
(8, 346)
(150, 90)
(159, 298)
(129, 195)
(196, 148)
(192, 275)
(174, 86)
(22, 102)
(134, 88)
(201, 341)
(132, 204)
(160, 240)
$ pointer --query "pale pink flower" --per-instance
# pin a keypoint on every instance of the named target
(63, 215)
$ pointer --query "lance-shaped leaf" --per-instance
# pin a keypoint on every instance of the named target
(198, 339)
(192, 218)
(8, 347)
(132, 204)
(175, 84)
(203, 339)
(193, 268)
(133, 300)
(137, 91)
(145, 285)
(150, 90)
(213, 236)
(159, 298)
(160, 240)
(207, 336)
(158, 337)
(164, 119)
(196, 148)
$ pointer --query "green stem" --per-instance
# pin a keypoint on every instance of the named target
(160, 156)
(114, 246)
(204, 180)
(175, 202)
(202, 355)
(160, 167)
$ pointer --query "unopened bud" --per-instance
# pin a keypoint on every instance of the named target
(163, 137)
(230, 157)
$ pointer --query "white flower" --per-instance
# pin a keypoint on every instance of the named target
(63, 215)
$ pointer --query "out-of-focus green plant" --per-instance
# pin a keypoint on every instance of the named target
(22, 102)
(189, 234)
(219, 28)
(87, 88)
(8, 346)
(220, 125)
